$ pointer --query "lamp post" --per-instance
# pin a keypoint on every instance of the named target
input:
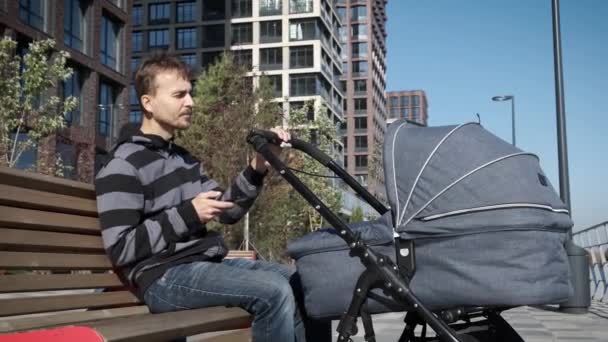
(512, 99)
(577, 256)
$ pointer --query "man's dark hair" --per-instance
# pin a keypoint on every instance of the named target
(152, 66)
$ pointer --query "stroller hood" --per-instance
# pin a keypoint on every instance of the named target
(453, 180)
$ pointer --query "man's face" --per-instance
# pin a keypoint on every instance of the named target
(171, 104)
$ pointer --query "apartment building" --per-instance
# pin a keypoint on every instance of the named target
(95, 33)
(363, 39)
(411, 105)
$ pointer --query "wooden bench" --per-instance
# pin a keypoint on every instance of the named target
(57, 273)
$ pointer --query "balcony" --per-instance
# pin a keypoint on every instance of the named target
(300, 6)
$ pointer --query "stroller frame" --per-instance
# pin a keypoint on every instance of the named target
(380, 270)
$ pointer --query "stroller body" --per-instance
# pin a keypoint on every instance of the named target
(474, 227)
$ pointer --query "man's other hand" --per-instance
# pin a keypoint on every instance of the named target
(208, 207)
(260, 164)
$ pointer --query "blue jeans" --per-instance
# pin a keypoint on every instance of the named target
(262, 288)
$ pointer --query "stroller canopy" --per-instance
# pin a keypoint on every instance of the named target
(457, 179)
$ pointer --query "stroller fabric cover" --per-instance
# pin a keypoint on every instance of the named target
(487, 225)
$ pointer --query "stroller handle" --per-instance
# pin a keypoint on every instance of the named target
(257, 138)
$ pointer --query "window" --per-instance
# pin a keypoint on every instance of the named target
(242, 34)
(300, 6)
(359, 68)
(135, 64)
(243, 58)
(67, 153)
(107, 98)
(214, 10)
(31, 12)
(270, 7)
(342, 34)
(405, 101)
(135, 116)
(241, 8)
(360, 86)
(361, 143)
(359, 31)
(416, 100)
(29, 158)
(270, 31)
(358, 13)
(137, 15)
(301, 57)
(186, 11)
(213, 36)
(360, 105)
(158, 38)
(405, 112)
(109, 42)
(360, 124)
(72, 86)
(342, 14)
(394, 101)
(345, 157)
(159, 13)
(137, 41)
(186, 38)
(359, 50)
(302, 85)
(361, 161)
(276, 82)
(73, 24)
(209, 58)
(271, 59)
(416, 112)
(133, 100)
(302, 30)
(189, 59)
(394, 111)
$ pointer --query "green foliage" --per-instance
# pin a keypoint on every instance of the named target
(26, 100)
(226, 109)
(281, 214)
(356, 215)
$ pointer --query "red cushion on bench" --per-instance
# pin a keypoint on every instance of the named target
(65, 334)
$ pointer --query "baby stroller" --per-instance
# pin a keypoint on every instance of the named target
(473, 228)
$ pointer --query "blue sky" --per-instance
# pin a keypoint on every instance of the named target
(464, 52)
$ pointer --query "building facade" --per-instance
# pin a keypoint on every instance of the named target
(94, 32)
(411, 105)
(363, 39)
(293, 42)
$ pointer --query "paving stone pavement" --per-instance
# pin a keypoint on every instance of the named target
(533, 324)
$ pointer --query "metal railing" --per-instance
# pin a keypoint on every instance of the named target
(595, 240)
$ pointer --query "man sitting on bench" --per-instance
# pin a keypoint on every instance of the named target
(154, 199)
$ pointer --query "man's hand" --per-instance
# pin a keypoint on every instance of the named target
(207, 207)
(259, 164)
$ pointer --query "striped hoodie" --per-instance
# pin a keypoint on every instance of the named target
(148, 222)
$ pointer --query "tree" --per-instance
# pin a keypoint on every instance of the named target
(27, 104)
(356, 215)
(226, 109)
(282, 214)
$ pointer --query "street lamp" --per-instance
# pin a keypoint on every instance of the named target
(512, 99)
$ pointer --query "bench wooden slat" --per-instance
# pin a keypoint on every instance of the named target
(47, 282)
(30, 305)
(166, 326)
(34, 199)
(35, 219)
(41, 241)
(47, 321)
(226, 336)
(50, 184)
(53, 261)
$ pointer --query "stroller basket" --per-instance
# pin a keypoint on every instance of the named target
(474, 227)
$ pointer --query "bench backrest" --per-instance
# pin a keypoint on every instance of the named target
(50, 242)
